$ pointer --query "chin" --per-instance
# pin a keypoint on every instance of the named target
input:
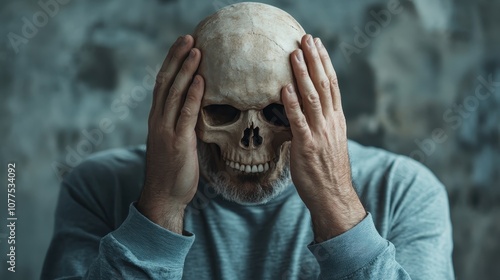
(239, 185)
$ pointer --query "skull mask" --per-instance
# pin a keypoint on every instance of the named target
(242, 126)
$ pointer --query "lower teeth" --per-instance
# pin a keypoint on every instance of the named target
(252, 169)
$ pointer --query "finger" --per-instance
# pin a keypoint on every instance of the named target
(152, 112)
(179, 88)
(298, 123)
(331, 74)
(171, 65)
(189, 112)
(318, 74)
(307, 91)
(158, 80)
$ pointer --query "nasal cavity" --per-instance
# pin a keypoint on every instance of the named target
(257, 139)
(251, 135)
(246, 137)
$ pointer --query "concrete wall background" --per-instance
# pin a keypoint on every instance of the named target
(414, 75)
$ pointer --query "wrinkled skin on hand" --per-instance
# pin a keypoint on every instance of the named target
(319, 160)
(171, 157)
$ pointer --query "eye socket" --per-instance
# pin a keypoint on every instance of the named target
(275, 114)
(218, 115)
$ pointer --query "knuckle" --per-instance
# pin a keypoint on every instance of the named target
(303, 73)
(191, 98)
(161, 77)
(334, 80)
(187, 112)
(325, 84)
(312, 98)
(295, 105)
(301, 124)
(178, 146)
(324, 132)
(174, 90)
(324, 55)
(309, 149)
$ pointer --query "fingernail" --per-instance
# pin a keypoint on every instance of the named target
(183, 40)
(318, 43)
(310, 41)
(192, 53)
(299, 56)
(289, 88)
(196, 80)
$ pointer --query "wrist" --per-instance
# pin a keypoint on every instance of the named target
(334, 216)
(167, 214)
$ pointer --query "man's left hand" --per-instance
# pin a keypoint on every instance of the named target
(319, 160)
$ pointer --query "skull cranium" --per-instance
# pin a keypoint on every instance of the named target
(245, 63)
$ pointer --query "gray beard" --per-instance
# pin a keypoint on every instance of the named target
(222, 184)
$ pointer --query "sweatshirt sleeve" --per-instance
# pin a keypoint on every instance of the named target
(360, 253)
(140, 249)
(87, 245)
(418, 246)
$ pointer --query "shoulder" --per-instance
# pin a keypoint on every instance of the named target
(108, 181)
(394, 185)
(376, 163)
(109, 163)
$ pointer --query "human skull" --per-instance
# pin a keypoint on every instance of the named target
(245, 63)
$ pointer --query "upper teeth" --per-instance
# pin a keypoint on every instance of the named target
(256, 168)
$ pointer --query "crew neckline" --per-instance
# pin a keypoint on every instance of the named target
(279, 199)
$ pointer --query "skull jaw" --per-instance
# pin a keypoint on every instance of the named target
(213, 170)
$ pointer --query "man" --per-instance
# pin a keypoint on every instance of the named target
(351, 213)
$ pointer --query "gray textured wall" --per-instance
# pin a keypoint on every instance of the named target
(414, 84)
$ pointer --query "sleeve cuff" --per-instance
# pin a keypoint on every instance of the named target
(350, 251)
(151, 243)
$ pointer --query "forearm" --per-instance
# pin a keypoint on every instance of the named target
(335, 211)
(141, 249)
(359, 253)
(138, 249)
(167, 214)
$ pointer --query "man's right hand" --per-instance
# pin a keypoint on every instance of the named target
(171, 157)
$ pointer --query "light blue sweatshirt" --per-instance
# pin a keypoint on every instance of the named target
(99, 234)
